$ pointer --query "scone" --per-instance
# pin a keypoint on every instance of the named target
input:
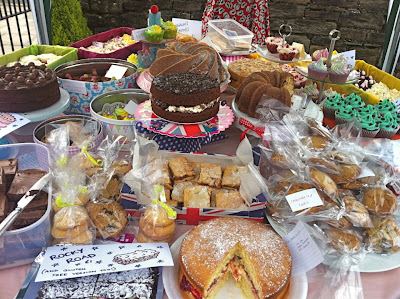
(109, 218)
(314, 142)
(324, 182)
(380, 201)
(69, 217)
(356, 212)
(347, 173)
(344, 241)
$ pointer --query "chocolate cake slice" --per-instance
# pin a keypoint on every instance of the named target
(23, 181)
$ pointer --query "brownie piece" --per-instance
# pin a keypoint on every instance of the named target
(3, 183)
(39, 202)
(22, 182)
(10, 167)
(27, 218)
(3, 205)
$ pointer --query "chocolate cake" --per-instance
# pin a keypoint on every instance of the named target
(185, 98)
(22, 182)
(27, 88)
(141, 283)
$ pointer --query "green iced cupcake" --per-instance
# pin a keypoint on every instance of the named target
(385, 106)
(346, 114)
(368, 110)
(355, 101)
(369, 126)
(331, 105)
(170, 29)
(154, 34)
(388, 126)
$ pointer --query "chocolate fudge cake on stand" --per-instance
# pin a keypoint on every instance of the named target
(185, 97)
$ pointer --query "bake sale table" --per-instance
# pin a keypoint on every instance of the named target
(379, 285)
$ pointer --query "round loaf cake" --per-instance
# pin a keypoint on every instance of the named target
(185, 98)
(27, 88)
(249, 251)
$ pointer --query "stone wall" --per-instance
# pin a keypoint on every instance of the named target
(361, 22)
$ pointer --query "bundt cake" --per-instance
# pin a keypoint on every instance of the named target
(275, 85)
(188, 58)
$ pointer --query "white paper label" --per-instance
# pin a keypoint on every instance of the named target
(351, 57)
(397, 103)
(116, 71)
(365, 173)
(9, 122)
(75, 261)
(305, 252)
(189, 27)
(138, 34)
(304, 199)
(74, 86)
(131, 107)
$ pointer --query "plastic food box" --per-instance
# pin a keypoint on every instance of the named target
(229, 35)
(21, 246)
(67, 53)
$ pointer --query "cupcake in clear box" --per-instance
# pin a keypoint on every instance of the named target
(331, 105)
(287, 52)
(273, 43)
(388, 126)
(355, 101)
(317, 70)
(386, 106)
(339, 70)
(346, 114)
(369, 126)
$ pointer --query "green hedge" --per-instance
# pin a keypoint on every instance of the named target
(68, 24)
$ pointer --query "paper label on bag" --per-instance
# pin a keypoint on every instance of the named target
(189, 27)
(397, 103)
(131, 107)
(305, 252)
(116, 71)
(74, 86)
(304, 199)
(366, 172)
(61, 262)
(351, 58)
(138, 34)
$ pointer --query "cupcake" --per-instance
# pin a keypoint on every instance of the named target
(320, 54)
(369, 126)
(386, 106)
(368, 110)
(331, 105)
(388, 126)
(170, 29)
(273, 43)
(287, 52)
(317, 70)
(355, 101)
(346, 114)
(154, 34)
(339, 70)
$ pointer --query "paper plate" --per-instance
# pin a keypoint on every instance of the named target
(152, 122)
(298, 287)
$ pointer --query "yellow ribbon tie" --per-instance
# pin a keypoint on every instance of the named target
(60, 202)
(62, 162)
(95, 162)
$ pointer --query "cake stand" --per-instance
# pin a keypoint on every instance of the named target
(39, 115)
(215, 125)
(145, 79)
(334, 35)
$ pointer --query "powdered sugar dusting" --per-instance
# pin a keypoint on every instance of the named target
(206, 246)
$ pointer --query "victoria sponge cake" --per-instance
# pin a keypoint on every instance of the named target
(250, 251)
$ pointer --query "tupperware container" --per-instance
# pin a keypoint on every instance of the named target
(115, 127)
(82, 92)
(21, 246)
(46, 126)
(229, 35)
